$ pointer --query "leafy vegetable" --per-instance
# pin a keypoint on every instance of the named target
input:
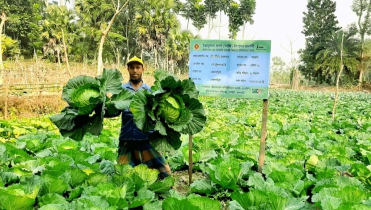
(171, 108)
(87, 102)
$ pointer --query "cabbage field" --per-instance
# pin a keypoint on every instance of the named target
(312, 161)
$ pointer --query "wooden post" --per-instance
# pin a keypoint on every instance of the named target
(190, 160)
(263, 135)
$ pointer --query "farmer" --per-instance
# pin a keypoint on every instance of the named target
(134, 147)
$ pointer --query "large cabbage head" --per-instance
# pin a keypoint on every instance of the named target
(171, 108)
(80, 97)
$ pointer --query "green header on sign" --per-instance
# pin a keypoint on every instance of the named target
(231, 46)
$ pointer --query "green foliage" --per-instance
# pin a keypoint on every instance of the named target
(9, 46)
(239, 14)
(85, 96)
(318, 33)
(171, 109)
(23, 22)
(312, 161)
(342, 43)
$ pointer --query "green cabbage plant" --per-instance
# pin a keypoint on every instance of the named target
(87, 103)
(171, 109)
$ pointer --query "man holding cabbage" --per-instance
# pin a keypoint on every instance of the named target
(134, 147)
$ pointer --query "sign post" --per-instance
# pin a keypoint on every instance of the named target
(235, 69)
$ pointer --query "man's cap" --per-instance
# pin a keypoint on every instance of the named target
(135, 59)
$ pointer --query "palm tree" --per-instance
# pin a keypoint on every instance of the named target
(329, 58)
(341, 52)
(154, 20)
(57, 24)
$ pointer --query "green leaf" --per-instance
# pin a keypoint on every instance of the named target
(175, 204)
(161, 145)
(155, 205)
(51, 184)
(162, 186)
(226, 173)
(146, 174)
(10, 201)
(189, 88)
(204, 203)
(51, 199)
(198, 116)
(55, 207)
(110, 81)
(203, 186)
(95, 178)
(144, 196)
(75, 193)
(122, 100)
(138, 107)
(77, 177)
(66, 119)
(17, 197)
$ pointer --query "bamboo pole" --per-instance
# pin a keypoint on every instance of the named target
(190, 160)
(263, 135)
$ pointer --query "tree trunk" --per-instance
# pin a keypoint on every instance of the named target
(59, 57)
(104, 35)
(338, 78)
(362, 65)
(295, 79)
(155, 58)
(220, 21)
(167, 60)
(118, 58)
(66, 55)
(3, 19)
(243, 31)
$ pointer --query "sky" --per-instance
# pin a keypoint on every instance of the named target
(279, 21)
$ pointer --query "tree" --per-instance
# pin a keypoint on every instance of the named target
(319, 25)
(193, 10)
(177, 46)
(247, 10)
(154, 20)
(57, 24)
(239, 15)
(118, 9)
(2, 23)
(210, 10)
(22, 24)
(235, 19)
(340, 51)
(95, 16)
(362, 8)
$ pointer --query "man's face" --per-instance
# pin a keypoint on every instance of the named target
(135, 71)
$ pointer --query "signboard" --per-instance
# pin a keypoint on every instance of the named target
(230, 68)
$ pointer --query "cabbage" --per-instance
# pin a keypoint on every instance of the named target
(172, 109)
(81, 96)
(311, 163)
(87, 103)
